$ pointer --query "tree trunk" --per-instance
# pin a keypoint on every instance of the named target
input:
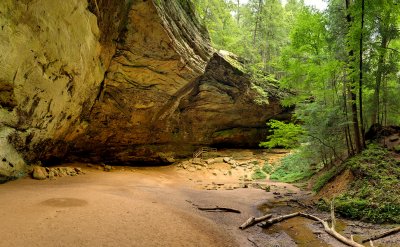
(352, 89)
(257, 20)
(378, 80)
(350, 147)
(360, 84)
(238, 12)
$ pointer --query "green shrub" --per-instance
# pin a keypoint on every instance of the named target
(294, 167)
(258, 174)
(374, 194)
(267, 168)
(283, 135)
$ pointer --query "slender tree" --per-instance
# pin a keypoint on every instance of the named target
(360, 85)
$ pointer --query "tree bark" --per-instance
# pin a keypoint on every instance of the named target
(238, 12)
(252, 220)
(360, 85)
(352, 89)
(378, 79)
(257, 20)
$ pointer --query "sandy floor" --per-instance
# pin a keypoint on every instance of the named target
(154, 206)
(103, 209)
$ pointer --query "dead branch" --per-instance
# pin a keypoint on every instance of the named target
(252, 220)
(382, 235)
(218, 209)
(331, 231)
(277, 219)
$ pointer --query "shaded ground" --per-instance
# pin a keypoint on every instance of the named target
(157, 206)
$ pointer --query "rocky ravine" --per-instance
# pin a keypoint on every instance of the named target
(118, 81)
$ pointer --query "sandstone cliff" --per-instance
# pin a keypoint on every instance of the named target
(49, 72)
(118, 81)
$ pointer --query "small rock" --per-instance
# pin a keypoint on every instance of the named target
(210, 161)
(62, 171)
(51, 174)
(39, 173)
(226, 159)
(107, 168)
(78, 170)
(196, 161)
(192, 169)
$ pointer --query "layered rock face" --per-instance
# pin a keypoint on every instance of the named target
(160, 54)
(118, 81)
(222, 107)
(49, 72)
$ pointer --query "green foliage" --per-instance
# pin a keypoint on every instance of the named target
(326, 177)
(262, 98)
(258, 174)
(324, 127)
(293, 168)
(320, 56)
(267, 168)
(285, 135)
(374, 194)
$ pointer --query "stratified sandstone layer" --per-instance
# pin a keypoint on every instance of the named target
(119, 81)
(49, 73)
(222, 107)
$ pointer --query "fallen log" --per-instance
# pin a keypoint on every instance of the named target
(278, 219)
(332, 231)
(382, 235)
(252, 220)
(218, 209)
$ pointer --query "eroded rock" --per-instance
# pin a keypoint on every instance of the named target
(39, 173)
(50, 73)
(139, 83)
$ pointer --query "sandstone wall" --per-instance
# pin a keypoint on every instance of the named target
(161, 52)
(118, 81)
(49, 72)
